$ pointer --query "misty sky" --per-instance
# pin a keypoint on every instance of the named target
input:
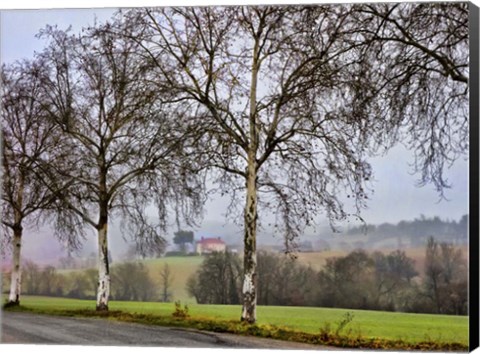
(396, 197)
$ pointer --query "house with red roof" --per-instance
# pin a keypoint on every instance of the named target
(209, 245)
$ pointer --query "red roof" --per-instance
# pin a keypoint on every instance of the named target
(211, 241)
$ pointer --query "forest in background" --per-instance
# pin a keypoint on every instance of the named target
(418, 230)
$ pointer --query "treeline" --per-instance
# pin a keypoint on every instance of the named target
(131, 281)
(418, 230)
(359, 280)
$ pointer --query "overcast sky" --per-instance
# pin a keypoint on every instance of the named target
(395, 197)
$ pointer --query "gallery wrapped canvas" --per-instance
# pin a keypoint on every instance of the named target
(270, 176)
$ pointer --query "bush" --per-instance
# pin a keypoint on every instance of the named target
(179, 312)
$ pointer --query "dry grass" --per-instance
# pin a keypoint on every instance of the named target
(317, 260)
(181, 269)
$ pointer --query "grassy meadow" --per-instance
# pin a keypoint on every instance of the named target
(411, 328)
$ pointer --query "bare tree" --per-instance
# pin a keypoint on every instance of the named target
(27, 138)
(393, 274)
(124, 147)
(166, 279)
(446, 275)
(292, 101)
(422, 51)
(132, 282)
(217, 281)
(284, 281)
(32, 279)
(255, 80)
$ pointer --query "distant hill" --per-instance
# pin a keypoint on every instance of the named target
(402, 235)
(416, 232)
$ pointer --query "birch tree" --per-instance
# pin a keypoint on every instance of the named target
(27, 138)
(124, 148)
(292, 101)
(422, 51)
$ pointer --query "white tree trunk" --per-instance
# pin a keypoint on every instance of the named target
(103, 291)
(249, 310)
(249, 290)
(16, 277)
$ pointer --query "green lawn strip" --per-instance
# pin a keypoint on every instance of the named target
(369, 329)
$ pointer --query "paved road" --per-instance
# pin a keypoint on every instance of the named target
(28, 328)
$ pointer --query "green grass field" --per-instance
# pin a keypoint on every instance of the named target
(412, 328)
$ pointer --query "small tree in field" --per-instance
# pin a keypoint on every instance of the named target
(446, 274)
(166, 279)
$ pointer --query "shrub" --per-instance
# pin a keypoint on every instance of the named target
(179, 311)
